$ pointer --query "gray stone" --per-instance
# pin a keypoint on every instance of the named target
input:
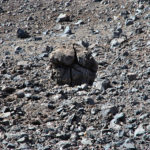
(147, 16)
(24, 146)
(142, 117)
(148, 128)
(67, 4)
(74, 136)
(46, 32)
(20, 94)
(108, 110)
(37, 38)
(89, 100)
(129, 22)
(64, 144)
(11, 146)
(117, 32)
(120, 117)
(18, 50)
(148, 43)
(22, 140)
(48, 147)
(114, 125)
(22, 63)
(30, 18)
(5, 109)
(114, 43)
(79, 22)
(94, 111)
(7, 76)
(71, 119)
(129, 144)
(125, 13)
(138, 12)
(7, 53)
(141, 6)
(86, 141)
(28, 95)
(120, 133)
(43, 55)
(139, 131)
(63, 136)
(118, 143)
(83, 43)
(63, 17)
(16, 135)
(102, 84)
(67, 30)
(139, 30)
(5, 115)
(117, 42)
(107, 147)
(58, 27)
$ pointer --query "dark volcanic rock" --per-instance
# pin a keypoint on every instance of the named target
(1, 10)
(22, 34)
(8, 89)
(62, 18)
(73, 65)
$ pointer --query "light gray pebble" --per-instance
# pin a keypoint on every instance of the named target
(129, 144)
(86, 141)
(129, 22)
(139, 131)
(20, 94)
(67, 30)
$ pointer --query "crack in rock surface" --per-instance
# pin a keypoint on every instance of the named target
(73, 65)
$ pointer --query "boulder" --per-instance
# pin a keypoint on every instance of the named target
(73, 65)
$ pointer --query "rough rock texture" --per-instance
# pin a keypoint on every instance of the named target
(73, 65)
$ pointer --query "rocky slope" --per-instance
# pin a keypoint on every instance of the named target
(36, 113)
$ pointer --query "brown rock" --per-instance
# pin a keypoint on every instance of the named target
(62, 56)
(73, 65)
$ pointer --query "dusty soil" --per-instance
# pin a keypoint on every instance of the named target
(37, 113)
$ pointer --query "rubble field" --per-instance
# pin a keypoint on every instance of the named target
(75, 75)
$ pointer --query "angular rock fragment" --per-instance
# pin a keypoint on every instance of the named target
(1, 10)
(67, 30)
(108, 111)
(86, 141)
(131, 76)
(8, 89)
(73, 65)
(102, 84)
(139, 131)
(63, 17)
(4, 115)
(129, 144)
(22, 34)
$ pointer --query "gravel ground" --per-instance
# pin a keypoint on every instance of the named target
(36, 113)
